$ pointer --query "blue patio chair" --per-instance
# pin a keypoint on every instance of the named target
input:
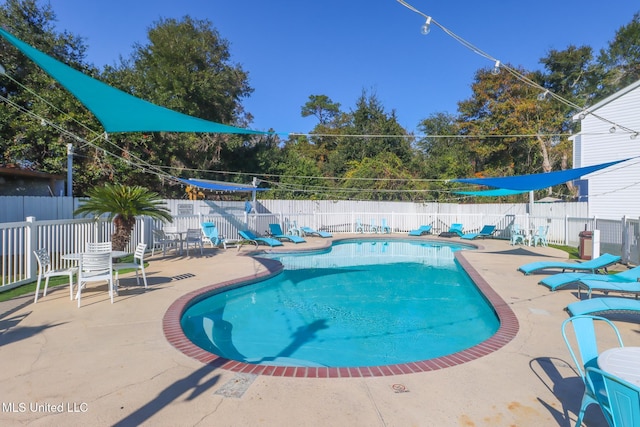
(486, 231)
(586, 354)
(517, 236)
(373, 228)
(257, 240)
(540, 238)
(620, 401)
(359, 227)
(277, 233)
(457, 229)
(604, 305)
(384, 228)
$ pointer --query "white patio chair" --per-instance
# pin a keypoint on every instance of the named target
(162, 241)
(98, 247)
(194, 237)
(46, 270)
(137, 264)
(95, 267)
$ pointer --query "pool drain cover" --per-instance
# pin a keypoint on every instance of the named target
(236, 386)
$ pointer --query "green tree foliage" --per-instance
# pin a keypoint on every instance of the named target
(36, 99)
(122, 204)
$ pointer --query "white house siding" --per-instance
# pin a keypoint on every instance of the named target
(613, 192)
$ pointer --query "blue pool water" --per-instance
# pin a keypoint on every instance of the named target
(360, 303)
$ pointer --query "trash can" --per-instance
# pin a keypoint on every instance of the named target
(586, 245)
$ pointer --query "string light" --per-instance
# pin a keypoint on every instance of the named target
(543, 96)
(426, 27)
(496, 68)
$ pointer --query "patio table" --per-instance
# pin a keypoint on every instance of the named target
(623, 362)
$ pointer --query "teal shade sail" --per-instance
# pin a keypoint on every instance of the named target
(537, 181)
(116, 110)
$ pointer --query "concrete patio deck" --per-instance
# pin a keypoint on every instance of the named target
(111, 364)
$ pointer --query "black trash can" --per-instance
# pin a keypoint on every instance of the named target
(586, 245)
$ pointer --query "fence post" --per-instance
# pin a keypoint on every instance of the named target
(30, 244)
(566, 230)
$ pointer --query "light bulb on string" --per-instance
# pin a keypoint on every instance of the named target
(543, 96)
(426, 27)
(612, 129)
(496, 69)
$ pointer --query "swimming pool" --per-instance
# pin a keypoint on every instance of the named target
(359, 303)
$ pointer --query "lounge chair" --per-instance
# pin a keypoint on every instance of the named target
(423, 229)
(556, 281)
(454, 230)
(593, 265)
(308, 231)
(604, 305)
(486, 231)
(251, 237)
(211, 235)
(277, 233)
(608, 286)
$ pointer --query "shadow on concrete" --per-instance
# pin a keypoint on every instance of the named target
(521, 252)
(568, 390)
(194, 384)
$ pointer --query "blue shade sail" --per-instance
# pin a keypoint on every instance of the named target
(492, 193)
(219, 186)
(537, 181)
(117, 110)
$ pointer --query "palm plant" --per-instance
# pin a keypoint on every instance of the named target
(123, 203)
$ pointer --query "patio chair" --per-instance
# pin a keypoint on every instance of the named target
(620, 401)
(540, 238)
(257, 240)
(423, 229)
(162, 241)
(517, 235)
(373, 228)
(556, 281)
(583, 348)
(592, 266)
(98, 247)
(384, 228)
(359, 227)
(210, 234)
(486, 231)
(95, 267)
(629, 287)
(137, 265)
(194, 237)
(308, 231)
(46, 271)
(277, 233)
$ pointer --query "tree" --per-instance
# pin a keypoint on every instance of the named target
(322, 107)
(122, 204)
(36, 99)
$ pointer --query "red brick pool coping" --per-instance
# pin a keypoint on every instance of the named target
(173, 332)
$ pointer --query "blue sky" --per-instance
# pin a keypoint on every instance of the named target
(338, 48)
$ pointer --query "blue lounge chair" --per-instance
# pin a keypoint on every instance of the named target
(211, 235)
(608, 286)
(250, 236)
(423, 229)
(604, 305)
(454, 230)
(308, 231)
(593, 265)
(486, 231)
(277, 233)
(556, 281)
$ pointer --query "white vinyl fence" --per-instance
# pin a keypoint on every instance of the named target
(19, 239)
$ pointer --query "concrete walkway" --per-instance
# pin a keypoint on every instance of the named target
(110, 364)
